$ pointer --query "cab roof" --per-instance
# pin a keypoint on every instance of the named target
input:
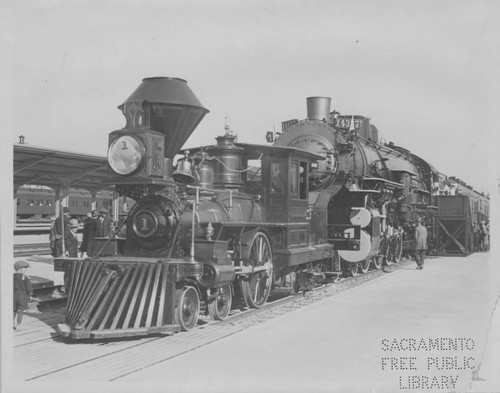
(254, 151)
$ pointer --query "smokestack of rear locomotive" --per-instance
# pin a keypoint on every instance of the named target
(318, 108)
(167, 106)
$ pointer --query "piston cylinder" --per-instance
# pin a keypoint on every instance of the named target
(216, 275)
(218, 269)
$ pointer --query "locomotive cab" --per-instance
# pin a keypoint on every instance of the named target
(284, 184)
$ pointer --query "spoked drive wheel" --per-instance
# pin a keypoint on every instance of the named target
(387, 260)
(256, 288)
(219, 307)
(187, 309)
(364, 266)
(377, 262)
(397, 245)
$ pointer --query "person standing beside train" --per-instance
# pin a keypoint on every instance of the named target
(483, 237)
(89, 232)
(420, 244)
(52, 236)
(22, 292)
(71, 249)
(475, 236)
(103, 224)
(59, 229)
(70, 239)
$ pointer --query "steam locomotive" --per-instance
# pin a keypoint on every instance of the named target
(323, 198)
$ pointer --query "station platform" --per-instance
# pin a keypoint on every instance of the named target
(410, 330)
(41, 271)
(432, 330)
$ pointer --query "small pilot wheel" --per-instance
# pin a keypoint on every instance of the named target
(365, 266)
(398, 249)
(256, 288)
(219, 307)
(187, 308)
(377, 262)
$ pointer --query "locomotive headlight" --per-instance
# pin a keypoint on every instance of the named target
(126, 154)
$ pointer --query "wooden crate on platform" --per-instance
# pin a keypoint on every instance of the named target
(455, 225)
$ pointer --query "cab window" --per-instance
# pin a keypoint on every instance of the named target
(277, 177)
(303, 179)
(294, 178)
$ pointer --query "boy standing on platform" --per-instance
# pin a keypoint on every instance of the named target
(22, 292)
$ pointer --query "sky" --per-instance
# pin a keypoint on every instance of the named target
(425, 72)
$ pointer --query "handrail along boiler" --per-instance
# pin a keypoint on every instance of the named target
(233, 217)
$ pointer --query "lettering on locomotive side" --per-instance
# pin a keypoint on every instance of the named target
(428, 363)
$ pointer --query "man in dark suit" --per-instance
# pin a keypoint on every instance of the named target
(103, 224)
(70, 239)
(71, 246)
(89, 232)
(60, 227)
(420, 244)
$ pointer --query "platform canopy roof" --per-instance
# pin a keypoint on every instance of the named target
(58, 169)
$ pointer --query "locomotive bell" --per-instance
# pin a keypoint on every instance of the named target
(184, 173)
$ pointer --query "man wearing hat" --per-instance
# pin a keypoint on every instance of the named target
(103, 224)
(70, 239)
(58, 231)
(122, 232)
(420, 243)
(89, 232)
(71, 248)
(22, 292)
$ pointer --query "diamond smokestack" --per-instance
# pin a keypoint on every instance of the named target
(168, 106)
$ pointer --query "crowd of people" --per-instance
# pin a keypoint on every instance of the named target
(63, 243)
(481, 238)
(63, 236)
(446, 188)
(94, 225)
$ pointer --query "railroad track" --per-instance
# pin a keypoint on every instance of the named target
(25, 250)
(40, 353)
